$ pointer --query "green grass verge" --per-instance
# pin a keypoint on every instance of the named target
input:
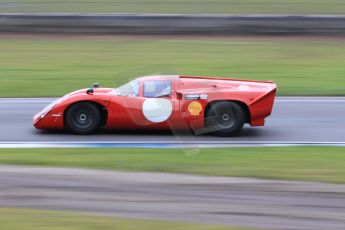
(44, 66)
(289, 163)
(177, 6)
(29, 219)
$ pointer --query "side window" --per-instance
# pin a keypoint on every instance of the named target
(157, 88)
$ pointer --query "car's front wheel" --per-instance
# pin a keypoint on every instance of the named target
(83, 118)
(225, 118)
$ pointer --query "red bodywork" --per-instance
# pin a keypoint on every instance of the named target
(126, 112)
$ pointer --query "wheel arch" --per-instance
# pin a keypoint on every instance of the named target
(243, 105)
(102, 108)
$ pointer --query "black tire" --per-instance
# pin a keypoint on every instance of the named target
(225, 118)
(83, 118)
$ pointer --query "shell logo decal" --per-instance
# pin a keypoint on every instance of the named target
(195, 108)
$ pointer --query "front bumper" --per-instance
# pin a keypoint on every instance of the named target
(49, 121)
(49, 118)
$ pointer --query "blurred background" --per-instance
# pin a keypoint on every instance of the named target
(299, 44)
(51, 47)
(177, 6)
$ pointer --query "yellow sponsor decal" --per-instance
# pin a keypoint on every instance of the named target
(195, 108)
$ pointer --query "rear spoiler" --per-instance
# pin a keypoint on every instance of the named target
(225, 79)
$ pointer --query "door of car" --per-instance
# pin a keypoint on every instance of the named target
(158, 103)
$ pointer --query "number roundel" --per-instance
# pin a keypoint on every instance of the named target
(157, 109)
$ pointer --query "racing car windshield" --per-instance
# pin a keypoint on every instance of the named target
(129, 89)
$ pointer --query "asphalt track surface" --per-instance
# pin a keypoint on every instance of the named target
(243, 202)
(172, 24)
(294, 120)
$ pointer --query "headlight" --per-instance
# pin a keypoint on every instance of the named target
(49, 107)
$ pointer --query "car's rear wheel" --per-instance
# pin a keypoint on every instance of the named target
(225, 118)
(83, 118)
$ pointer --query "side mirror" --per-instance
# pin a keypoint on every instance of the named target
(89, 91)
(95, 85)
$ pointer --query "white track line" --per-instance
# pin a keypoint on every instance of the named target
(165, 144)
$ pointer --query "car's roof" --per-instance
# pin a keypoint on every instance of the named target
(174, 77)
(159, 77)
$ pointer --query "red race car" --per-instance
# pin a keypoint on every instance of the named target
(201, 104)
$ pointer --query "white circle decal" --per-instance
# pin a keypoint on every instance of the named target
(157, 109)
